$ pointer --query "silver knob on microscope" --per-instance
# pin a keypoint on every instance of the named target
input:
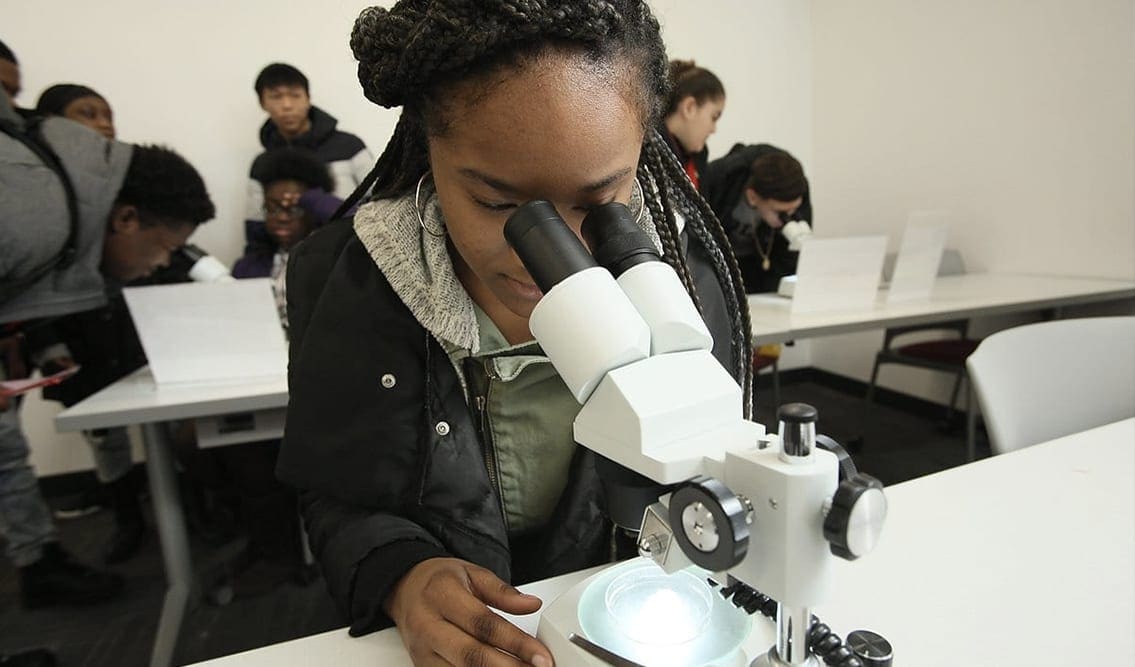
(855, 518)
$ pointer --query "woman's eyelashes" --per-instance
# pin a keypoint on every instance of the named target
(500, 207)
(587, 208)
(496, 207)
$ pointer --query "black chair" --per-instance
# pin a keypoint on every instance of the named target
(947, 354)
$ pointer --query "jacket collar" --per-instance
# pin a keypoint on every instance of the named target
(323, 126)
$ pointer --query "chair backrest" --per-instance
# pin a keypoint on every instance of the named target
(1043, 381)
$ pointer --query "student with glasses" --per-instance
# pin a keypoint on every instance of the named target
(297, 194)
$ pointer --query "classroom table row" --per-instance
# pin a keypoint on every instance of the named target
(234, 412)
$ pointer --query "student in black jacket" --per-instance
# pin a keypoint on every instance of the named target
(758, 192)
(413, 317)
(294, 122)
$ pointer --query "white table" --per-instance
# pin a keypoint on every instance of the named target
(136, 399)
(954, 297)
(1022, 559)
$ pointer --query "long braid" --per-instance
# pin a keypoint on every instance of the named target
(409, 54)
(702, 224)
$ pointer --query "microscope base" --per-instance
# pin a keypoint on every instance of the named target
(561, 619)
(770, 659)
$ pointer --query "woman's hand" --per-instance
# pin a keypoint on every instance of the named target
(440, 609)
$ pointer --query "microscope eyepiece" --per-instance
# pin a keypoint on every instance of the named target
(617, 241)
(546, 245)
(191, 252)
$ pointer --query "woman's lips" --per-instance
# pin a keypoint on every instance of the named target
(525, 290)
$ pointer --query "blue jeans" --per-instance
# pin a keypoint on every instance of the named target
(25, 521)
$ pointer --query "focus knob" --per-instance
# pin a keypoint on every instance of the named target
(871, 649)
(855, 519)
(711, 523)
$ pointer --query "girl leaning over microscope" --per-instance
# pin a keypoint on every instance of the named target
(429, 436)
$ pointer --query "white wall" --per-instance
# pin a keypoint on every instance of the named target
(181, 74)
(1016, 115)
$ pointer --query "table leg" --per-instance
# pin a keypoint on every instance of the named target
(174, 540)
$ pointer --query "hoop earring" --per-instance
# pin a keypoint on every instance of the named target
(418, 208)
(641, 200)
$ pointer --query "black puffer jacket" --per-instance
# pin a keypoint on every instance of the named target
(383, 447)
(723, 183)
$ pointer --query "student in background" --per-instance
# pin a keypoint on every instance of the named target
(297, 195)
(136, 205)
(105, 345)
(755, 191)
(695, 104)
(396, 315)
(9, 74)
(293, 121)
(80, 104)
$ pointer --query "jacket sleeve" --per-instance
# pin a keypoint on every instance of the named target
(363, 554)
(361, 165)
(363, 543)
(320, 204)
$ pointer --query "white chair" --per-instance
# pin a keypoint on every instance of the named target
(1043, 381)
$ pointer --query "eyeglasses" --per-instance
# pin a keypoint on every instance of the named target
(272, 210)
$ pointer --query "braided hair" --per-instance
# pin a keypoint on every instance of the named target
(409, 56)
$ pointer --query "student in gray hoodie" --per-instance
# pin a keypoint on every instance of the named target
(134, 206)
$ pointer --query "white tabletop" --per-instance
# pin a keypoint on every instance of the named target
(1023, 559)
(137, 399)
(1027, 558)
(954, 297)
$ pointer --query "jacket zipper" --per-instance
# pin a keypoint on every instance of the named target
(487, 448)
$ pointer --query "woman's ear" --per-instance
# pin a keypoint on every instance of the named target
(688, 107)
(752, 198)
(123, 219)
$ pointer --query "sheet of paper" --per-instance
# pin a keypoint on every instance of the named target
(17, 387)
(838, 273)
(916, 267)
(209, 332)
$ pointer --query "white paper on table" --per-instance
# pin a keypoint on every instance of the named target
(209, 332)
(916, 267)
(838, 273)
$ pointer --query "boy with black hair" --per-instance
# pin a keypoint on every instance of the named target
(297, 199)
(134, 205)
(297, 194)
(293, 121)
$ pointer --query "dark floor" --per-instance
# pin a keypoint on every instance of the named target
(897, 444)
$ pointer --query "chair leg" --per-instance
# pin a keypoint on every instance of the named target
(971, 422)
(871, 386)
(954, 396)
(776, 384)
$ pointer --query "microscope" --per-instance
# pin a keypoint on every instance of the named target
(204, 268)
(741, 521)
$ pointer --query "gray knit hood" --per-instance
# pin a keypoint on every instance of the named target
(418, 267)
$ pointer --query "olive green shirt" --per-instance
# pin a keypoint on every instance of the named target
(526, 414)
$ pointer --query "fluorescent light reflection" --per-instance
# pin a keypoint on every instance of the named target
(657, 609)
